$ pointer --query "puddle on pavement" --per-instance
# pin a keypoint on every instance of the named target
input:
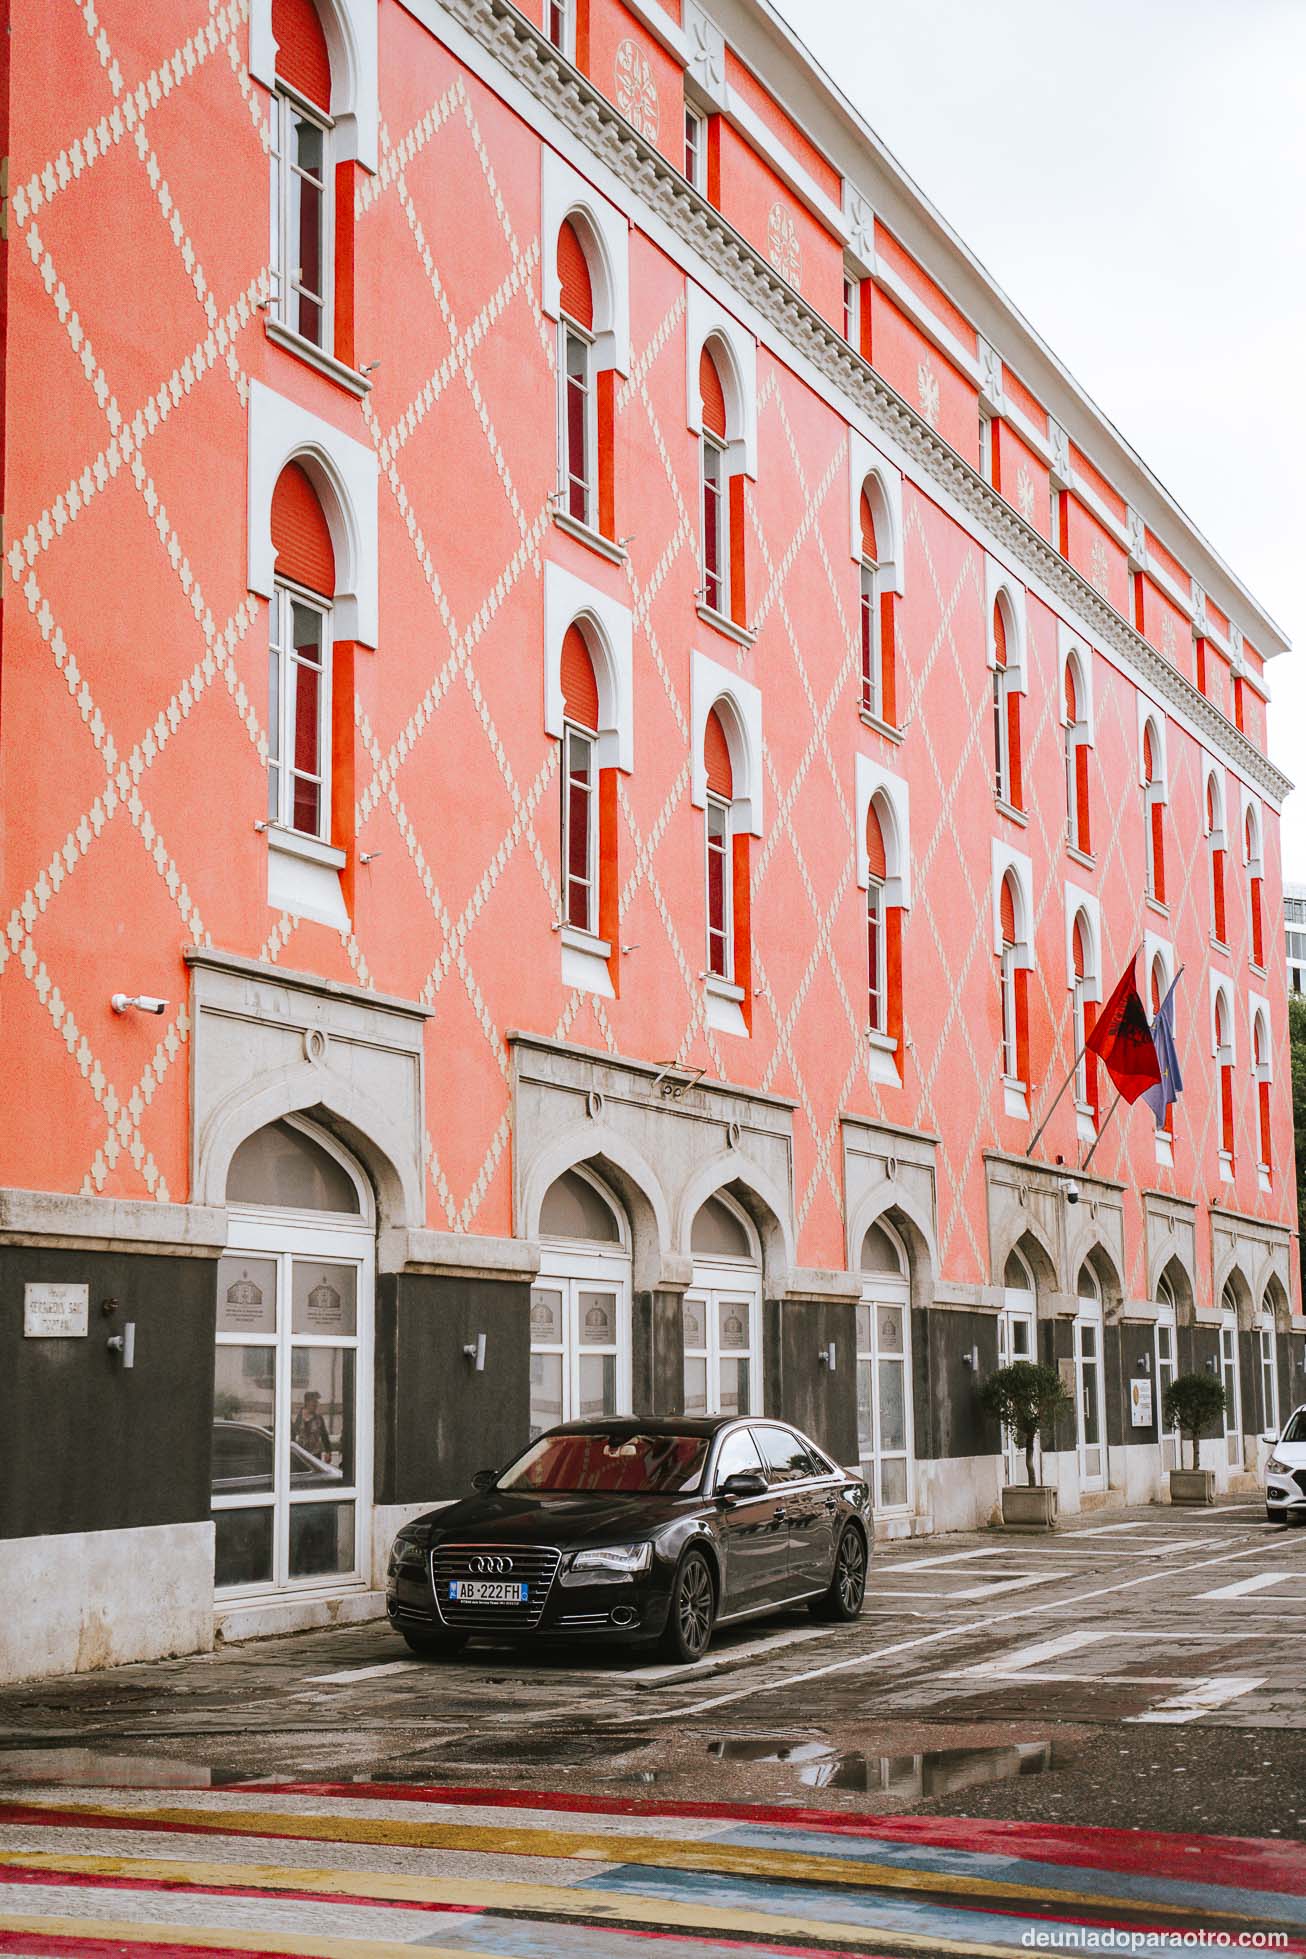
(90, 1769)
(928, 1772)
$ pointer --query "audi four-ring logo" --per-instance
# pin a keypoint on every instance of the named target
(486, 1564)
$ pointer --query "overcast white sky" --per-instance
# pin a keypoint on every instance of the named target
(1141, 197)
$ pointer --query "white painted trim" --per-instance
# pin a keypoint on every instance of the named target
(742, 117)
(1071, 644)
(999, 583)
(303, 887)
(568, 601)
(1153, 945)
(870, 779)
(1005, 859)
(1251, 805)
(1078, 900)
(1149, 710)
(584, 966)
(346, 474)
(710, 683)
(1258, 1004)
(350, 28)
(1217, 836)
(705, 319)
(661, 26)
(605, 231)
(1220, 986)
(865, 460)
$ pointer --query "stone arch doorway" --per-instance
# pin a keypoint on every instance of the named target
(580, 1304)
(722, 1312)
(293, 1386)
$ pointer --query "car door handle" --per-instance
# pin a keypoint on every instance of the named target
(780, 1515)
(832, 1503)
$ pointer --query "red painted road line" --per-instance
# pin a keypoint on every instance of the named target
(1258, 1863)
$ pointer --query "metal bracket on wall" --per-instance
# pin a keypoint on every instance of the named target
(672, 1080)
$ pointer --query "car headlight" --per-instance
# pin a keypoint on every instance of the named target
(1279, 1468)
(406, 1553)
(615, 1557)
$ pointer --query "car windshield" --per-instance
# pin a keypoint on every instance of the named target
(1296, 1429)
(623, 1462)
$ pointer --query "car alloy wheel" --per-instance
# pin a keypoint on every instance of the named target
(693, 1608)
(851, 1573)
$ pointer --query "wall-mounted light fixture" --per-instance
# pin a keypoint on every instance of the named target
(145, 1003)
(1145, 1363)
(124, 1343)
(475, 1352)
(828, 1356)
(971, 1359)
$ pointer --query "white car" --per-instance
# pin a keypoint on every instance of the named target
(1285, 1472)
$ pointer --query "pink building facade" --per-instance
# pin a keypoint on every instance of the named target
(628, 714)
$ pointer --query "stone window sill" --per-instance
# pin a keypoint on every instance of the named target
(340, 372)
(593, 540)
(739, 634)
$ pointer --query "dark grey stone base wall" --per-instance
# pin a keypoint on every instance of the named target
(947, 1417)
(437, 1420)
(86, 1444)
(820, 1400)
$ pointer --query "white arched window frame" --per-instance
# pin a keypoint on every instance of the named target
(1261, 1049)
(1151, 722)
(871, 477)
(350, 30)
(711, 683)
(1001, 589)
(1084, 908)
(580, 1322)
(1077, 662)
(1217, 847)
(735, 353)
(1012, 958)
(1225, 1053)
(609, 635)
(345, 475)
(1269, 1368)
(1158, 975)
(604, 232)
(1253, 851)
(891, 797)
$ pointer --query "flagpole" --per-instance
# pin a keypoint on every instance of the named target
(1052, 1108)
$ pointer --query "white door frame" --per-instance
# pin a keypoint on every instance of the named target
(1019, 1311)
(1230, 1368)
(1165, 1372)
(572, 1266)
(288, 1235)
(880, 1290)
(1091, 1315)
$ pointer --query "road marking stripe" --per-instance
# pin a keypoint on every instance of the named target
(918, 1640)
(1257, 1584)
(1106, 1530)
(1201, 1698)
(348, 1675)
(1043, 1649)
(668, 1854)
(656, 1676)
(950, 1557)
(119, 1933)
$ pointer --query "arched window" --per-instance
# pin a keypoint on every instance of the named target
(884, 1370)
(1255, 872)
(1006, 715)
(1013, 987)
(580, 801)
(1223, 1032)
(883, 923)
(1078, 823)
(580, 1305)
(1084, 968)
(303, 176)
(1154, 813)
(876, 611)
(1262, 1074)
(721, 490)
(587, 387)
(1215, 851)
(719, 848)
(300, 673)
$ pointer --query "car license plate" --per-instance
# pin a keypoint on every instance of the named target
(476, 1591)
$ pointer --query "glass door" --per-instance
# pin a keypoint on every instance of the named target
(721, 1331)
(1092, 1415)
(1166, 1368)
(580, 1339)
(1233, 1441)
(884, 1399)
(1015, 1342)
(292, 1407)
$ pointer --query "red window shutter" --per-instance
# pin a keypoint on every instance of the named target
(999, 636)
(1258, 932)
(1083, 812)
(713, 394)
(1078, 947)
(1226, 1110)
(1149, 763)
(300, 536)
(1217, 895)
(1072, 706)
(1008, 913)
(302, 57)
(716, 757)
(1157, 983)
(1158, 852)
(1211, 818)
(868, 530)
(574, 278)
(875, 858)
(580, 693)
(1263, 1105)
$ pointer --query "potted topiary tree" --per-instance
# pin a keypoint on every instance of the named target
(1194, 1404)
(1024, 1398)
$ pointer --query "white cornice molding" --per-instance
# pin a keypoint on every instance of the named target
(595, 123)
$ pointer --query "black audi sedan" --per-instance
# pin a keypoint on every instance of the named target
(636, 1528)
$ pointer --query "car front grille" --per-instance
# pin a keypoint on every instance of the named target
(535, 1566)
(1299, 1478)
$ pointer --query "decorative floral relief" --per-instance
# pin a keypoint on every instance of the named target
(637, 95)
(927, 393)
(1099, 568)
(1169, 638)
(782, 244)
(1025, 494)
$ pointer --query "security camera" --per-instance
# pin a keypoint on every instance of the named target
(144, 1003)
(1071, 1189)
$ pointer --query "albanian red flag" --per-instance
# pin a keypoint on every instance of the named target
(1122, 1040)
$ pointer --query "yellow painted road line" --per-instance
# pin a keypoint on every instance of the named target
(690, 1854)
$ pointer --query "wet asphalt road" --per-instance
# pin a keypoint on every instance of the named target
(1141, 1668)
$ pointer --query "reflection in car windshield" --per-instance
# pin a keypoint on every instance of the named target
(622, 1462)
(1296, 1429)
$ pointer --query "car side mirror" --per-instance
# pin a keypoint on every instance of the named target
(744, 1483)
(1270, 1435)
(484, 1479)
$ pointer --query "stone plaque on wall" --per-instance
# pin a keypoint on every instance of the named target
(55, 1312)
